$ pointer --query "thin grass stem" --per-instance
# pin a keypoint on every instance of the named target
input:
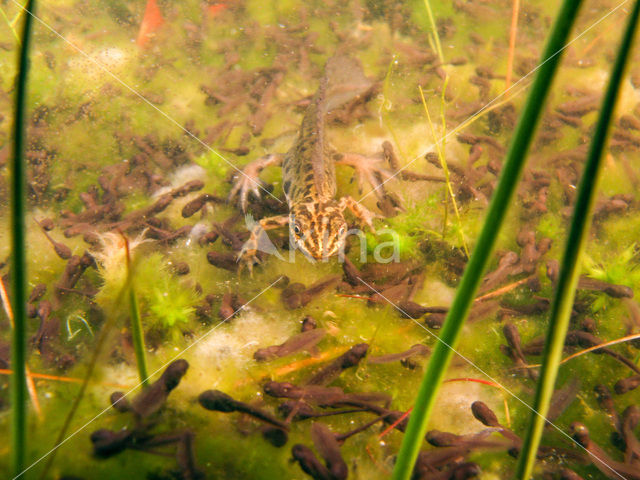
(11, 26)
(513, 30)
(386, 86)
(443, 160)
(137, 335)
(500, 201)
(445, 169)
(93, 362)
(18, 259)
(571, 262)
(434, 31)
(626, 338)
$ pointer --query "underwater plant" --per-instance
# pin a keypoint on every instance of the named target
(351, 338)
(18, 256)
(571, 262)
(170, 305)
(474, 270)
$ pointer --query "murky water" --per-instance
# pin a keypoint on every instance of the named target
(142, 117)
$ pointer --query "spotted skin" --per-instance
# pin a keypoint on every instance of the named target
(316, 221)
(318, 228)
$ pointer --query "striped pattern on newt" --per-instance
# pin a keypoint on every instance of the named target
(316, 222)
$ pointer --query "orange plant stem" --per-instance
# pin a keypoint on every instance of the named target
(45, 376)
(31, 386)
(515, 9)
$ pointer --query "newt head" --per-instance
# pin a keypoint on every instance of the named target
(318, 228)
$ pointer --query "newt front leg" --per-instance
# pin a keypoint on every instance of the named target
(248, 181)
(259, 241)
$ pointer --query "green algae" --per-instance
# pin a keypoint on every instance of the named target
(84, 146)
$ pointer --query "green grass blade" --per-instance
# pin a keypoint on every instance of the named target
(18, 264)
(137, 334)
(105, 331)
(137, 337)
(571, 263)
(473, 273)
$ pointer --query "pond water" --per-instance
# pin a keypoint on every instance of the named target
(145, 116)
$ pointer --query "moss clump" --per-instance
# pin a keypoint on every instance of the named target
(170, 303)
(167, 303)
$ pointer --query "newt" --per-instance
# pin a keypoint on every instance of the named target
(316, 222)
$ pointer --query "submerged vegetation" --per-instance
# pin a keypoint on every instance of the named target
(138, 118)
(17, 314)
